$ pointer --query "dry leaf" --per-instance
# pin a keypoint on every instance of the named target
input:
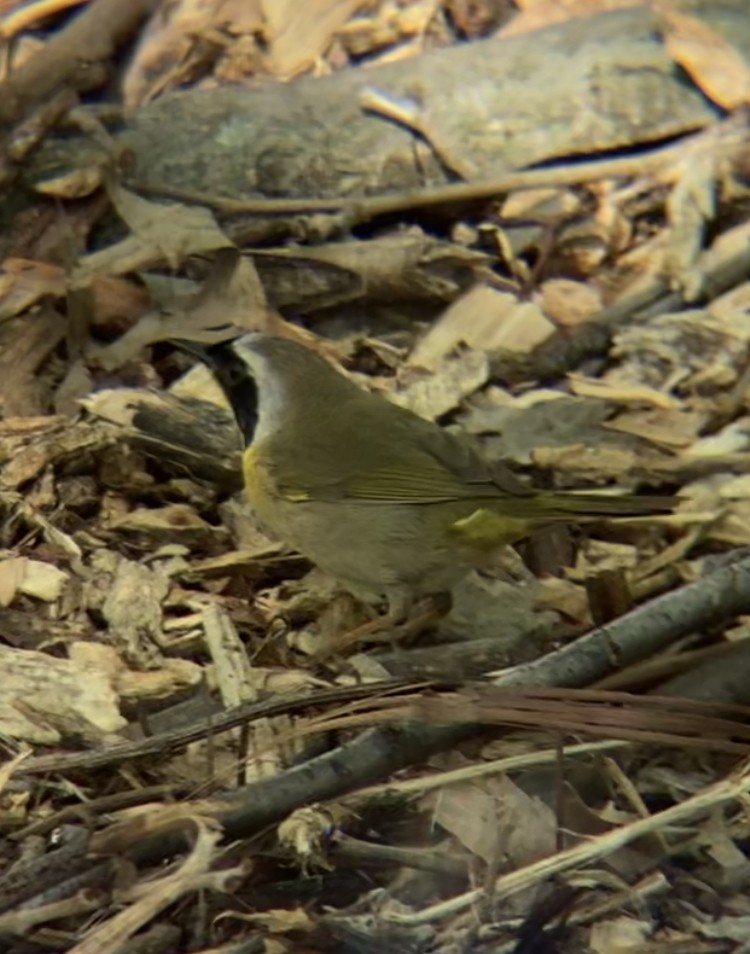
(442, 391)
(161, 231)
(730, 927)
(25, 343)
(736, 488)
(537, 14)
(11, 574)
(596, 556)
(488, 608)
(485, 319)
(569, 303)
(174, 46)
(732, 439)
(701, 348)
(200, 383)
(537, 420)
(691, 204)
(588, 463)
(715, 65)
(733, 528)
(470, 813)
(621, 393)
(298, 34)
(621, 935)
(527, 826)
(232, 668)
(230, 301)
(24, 282)
(397, 267)
(563, 596)
(173, 523)
(133, 611)
(276, 921)
(170, 681)
(667, 428)
(45, 698)
(43, 581)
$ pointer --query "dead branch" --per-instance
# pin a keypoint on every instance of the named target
(92, 37)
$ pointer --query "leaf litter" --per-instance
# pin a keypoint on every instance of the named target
(142, 610)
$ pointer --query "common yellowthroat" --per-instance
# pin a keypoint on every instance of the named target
(390, 504)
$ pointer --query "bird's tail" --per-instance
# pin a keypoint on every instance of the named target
(550, 505)
(507, 520)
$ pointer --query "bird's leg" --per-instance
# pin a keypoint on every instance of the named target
(397, 625)
(378, 629)
(425, 614)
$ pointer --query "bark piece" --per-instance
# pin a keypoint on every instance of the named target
(579, 87)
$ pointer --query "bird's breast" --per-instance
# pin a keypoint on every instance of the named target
(259, 485)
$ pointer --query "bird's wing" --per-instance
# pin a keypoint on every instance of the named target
(412, 478)
(424, 465)
(477, 476)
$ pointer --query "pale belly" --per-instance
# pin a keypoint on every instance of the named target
(371, 548)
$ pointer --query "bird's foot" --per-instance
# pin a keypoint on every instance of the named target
(394, 627)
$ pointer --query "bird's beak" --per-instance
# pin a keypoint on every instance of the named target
(235, 377)
(193, 348)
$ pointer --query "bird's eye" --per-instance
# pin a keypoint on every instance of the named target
(235, 372)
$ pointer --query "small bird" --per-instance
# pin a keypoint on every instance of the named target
(388, 503)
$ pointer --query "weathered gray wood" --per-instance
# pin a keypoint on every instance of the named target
(579, 87)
